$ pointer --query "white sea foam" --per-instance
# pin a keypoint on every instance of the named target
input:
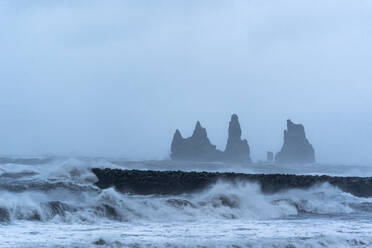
(57, 205)
(220, 201)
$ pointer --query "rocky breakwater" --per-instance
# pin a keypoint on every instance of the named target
(178, 182)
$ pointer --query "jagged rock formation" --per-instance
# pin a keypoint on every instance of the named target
(195, 148)
(199, 148)
(237, 150)
(178, 182)
(296, 147)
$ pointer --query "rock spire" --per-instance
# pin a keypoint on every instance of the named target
(237, 150)
(199, 148)
(296, 147)
(195, 148)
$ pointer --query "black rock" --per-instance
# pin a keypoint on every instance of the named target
(195, 148)
(296, 147)
(237, 150)
(4, 215)
(100, 242)
(179, 182)
(199, 148)
(270, 157)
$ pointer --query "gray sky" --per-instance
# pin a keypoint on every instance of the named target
(116, 78)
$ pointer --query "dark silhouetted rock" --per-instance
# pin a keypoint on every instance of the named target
(179, 182)
(195, 148)
(237, 150)
(296, 148)
(199, 148)
(270, 157)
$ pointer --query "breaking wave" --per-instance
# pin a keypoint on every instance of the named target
(58, 198)
(75, 199)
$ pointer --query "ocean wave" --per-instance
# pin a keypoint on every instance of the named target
(63, 191)
(112, 239)
(220, 201)
(59, 199)
(318, 242)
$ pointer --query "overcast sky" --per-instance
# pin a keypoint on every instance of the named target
(116, 78)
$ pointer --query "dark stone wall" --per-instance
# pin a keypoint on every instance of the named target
(178, 182)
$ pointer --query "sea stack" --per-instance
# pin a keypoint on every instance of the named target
(269, 157)
(237, 150)
(195, 148)
(199, 148)
(296, 147)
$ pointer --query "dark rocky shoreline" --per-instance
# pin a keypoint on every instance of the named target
(179, 182)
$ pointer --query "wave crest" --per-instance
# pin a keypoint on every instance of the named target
(222, 201)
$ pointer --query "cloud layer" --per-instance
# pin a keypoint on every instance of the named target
(116, 78)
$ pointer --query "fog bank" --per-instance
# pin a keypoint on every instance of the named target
(116, 78)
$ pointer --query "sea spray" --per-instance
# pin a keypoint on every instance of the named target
(57, 204)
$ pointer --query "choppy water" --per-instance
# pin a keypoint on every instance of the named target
(54, 203)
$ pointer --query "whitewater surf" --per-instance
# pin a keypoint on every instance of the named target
(57, 203)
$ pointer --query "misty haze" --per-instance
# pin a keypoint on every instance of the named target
(185, 124)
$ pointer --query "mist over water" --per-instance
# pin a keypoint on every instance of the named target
(117, 78)
(105, 84)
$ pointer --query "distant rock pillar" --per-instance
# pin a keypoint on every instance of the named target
(296, 147)
(237, 150)
(270, 157)
(195, 148)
